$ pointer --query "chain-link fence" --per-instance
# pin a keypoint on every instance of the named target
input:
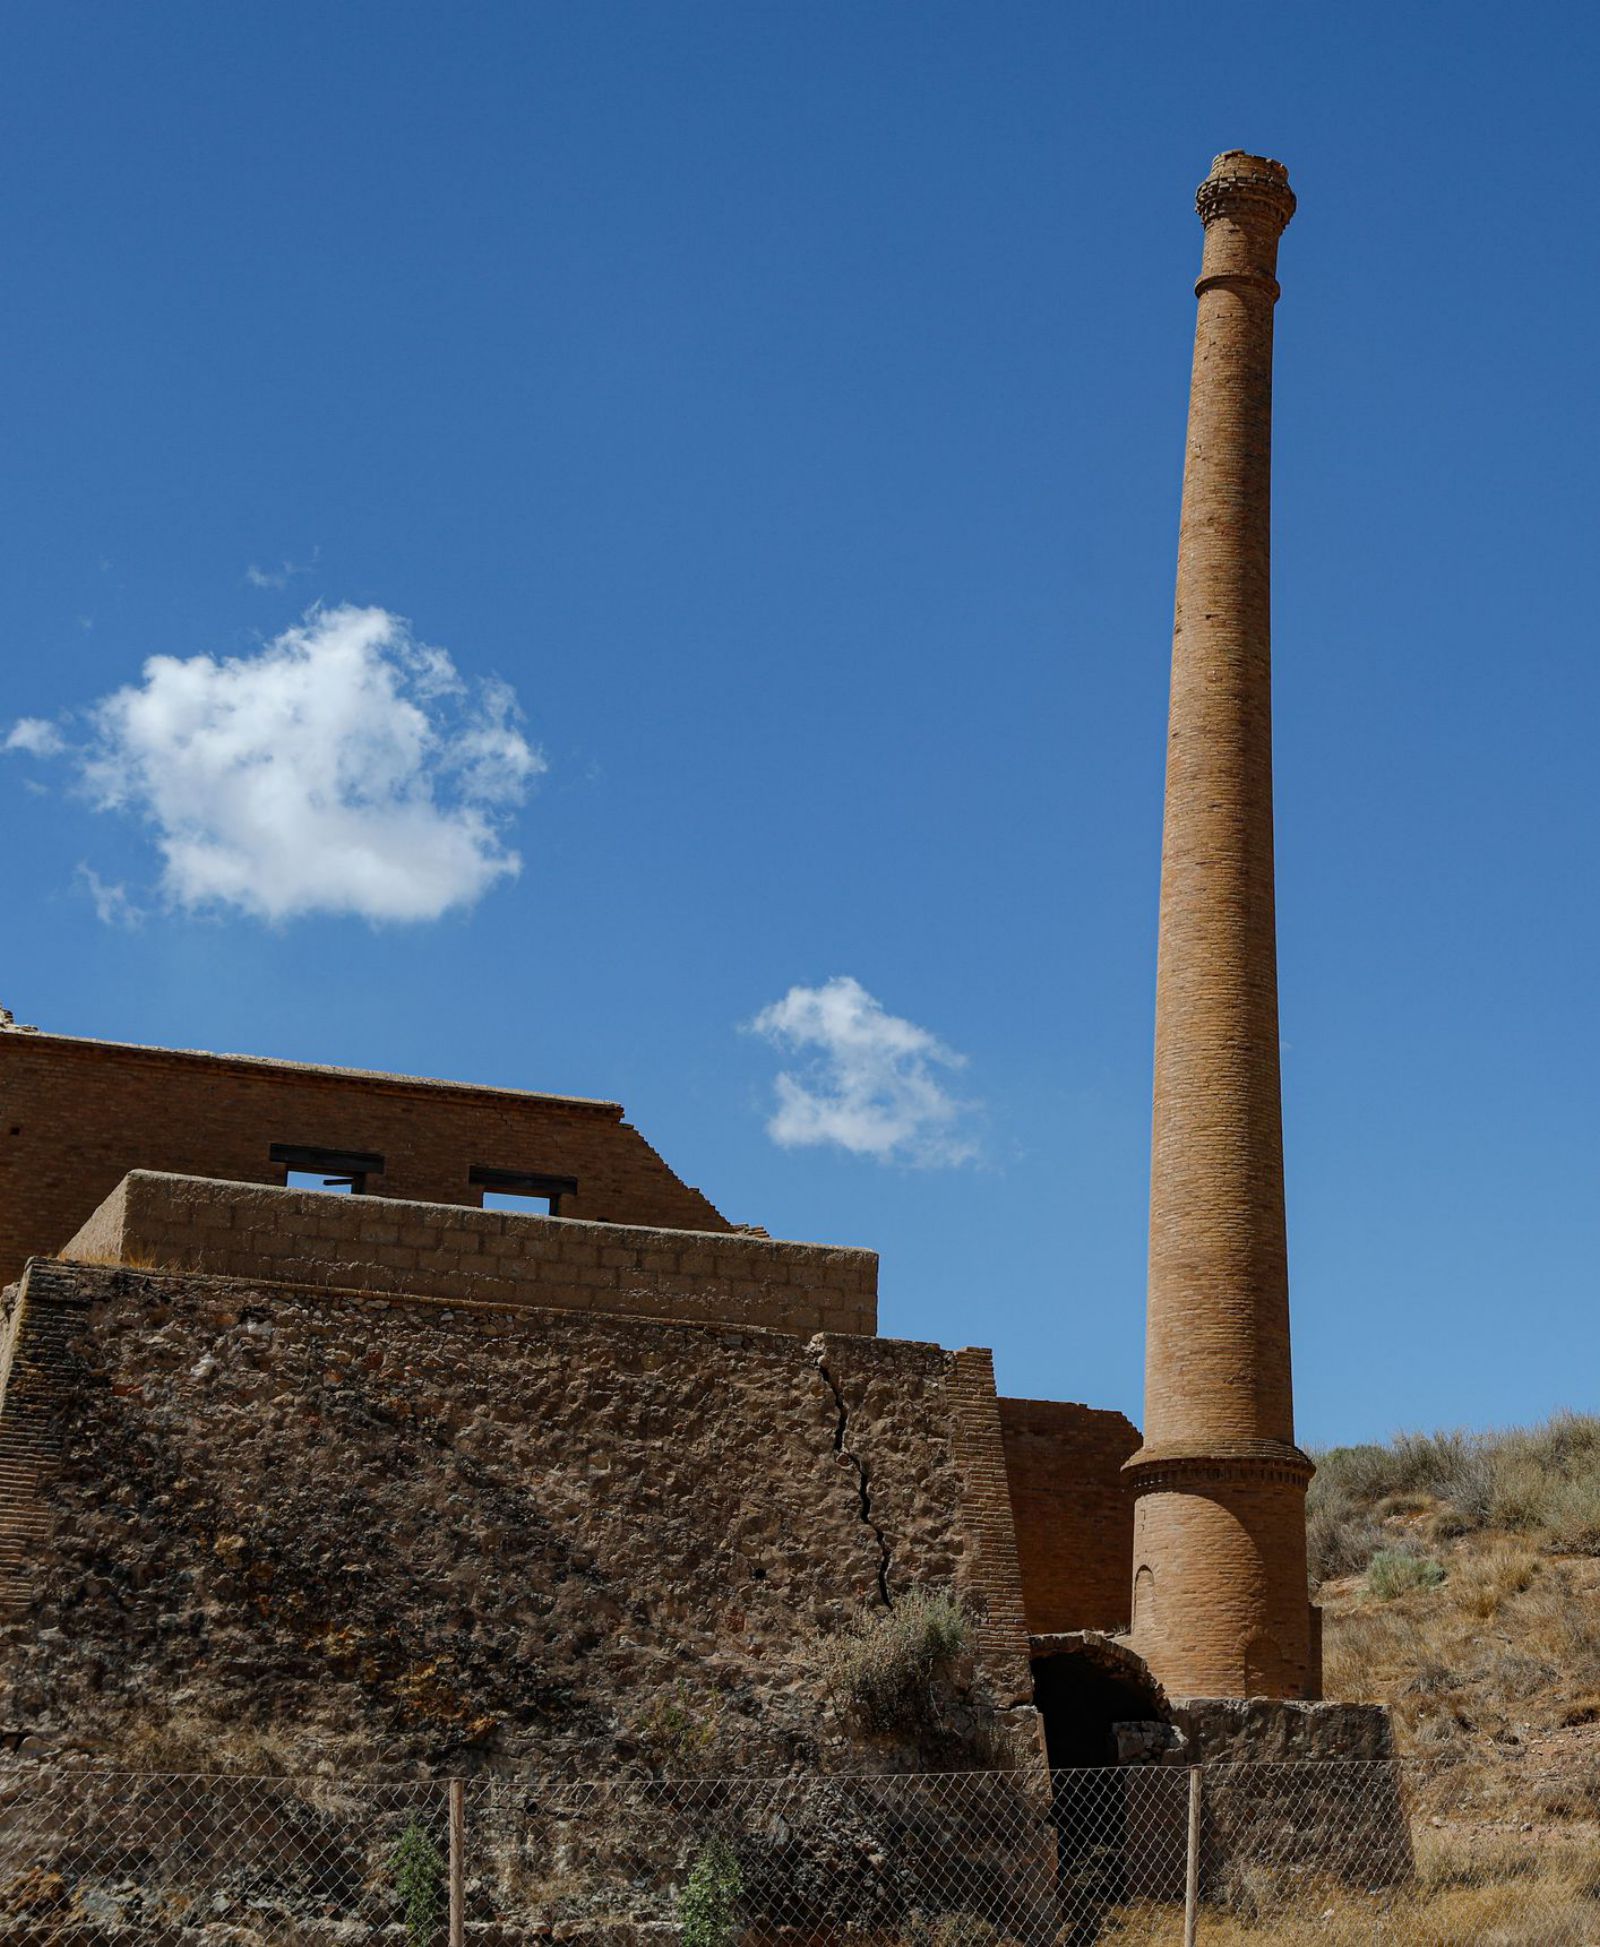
(1156, 1853)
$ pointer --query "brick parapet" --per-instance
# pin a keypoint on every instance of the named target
(377, 1244)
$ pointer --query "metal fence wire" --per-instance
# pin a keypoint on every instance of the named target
(1269, 1852)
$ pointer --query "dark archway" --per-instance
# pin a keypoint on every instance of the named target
(1083, 1685)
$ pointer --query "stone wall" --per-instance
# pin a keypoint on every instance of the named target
(275, 1525)
(1073, 1512)
(186, 1223)
(76, 1116)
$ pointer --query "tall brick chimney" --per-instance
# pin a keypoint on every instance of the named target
(1220, 1604)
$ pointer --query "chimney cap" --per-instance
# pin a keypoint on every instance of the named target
(1242, 186)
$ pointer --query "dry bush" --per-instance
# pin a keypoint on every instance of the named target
(886, 1670)
(1562, 1618)
(1572, 1520)
(1340, 1540)
(1367, 1648)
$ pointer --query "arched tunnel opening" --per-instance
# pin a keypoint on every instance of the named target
(1083, 1687)
(1082, 1693)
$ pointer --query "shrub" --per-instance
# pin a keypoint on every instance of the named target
(886, 1669)
(1393, 1572)
(678, 1730)
(419, 1875)
(1339, 1539)
(1573, 1522)
(707, 1905)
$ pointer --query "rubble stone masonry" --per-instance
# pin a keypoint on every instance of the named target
(284, 1525)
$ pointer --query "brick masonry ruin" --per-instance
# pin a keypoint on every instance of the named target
(418, 1482)
(395, 1479)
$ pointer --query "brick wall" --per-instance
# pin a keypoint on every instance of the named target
(1073, 1512)
(289, 1526)
(309, 1237)
(76, 1116)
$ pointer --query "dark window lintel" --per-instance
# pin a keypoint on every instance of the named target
(522, 1183)
(326, 1162)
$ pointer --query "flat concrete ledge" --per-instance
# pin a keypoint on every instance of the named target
(157, 1221)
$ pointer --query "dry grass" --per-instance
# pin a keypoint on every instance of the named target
(114, 1257)
(1504, 1892)
(1542, 1483)
(184, 1742)
(1554, 1899)
(1492, 1673)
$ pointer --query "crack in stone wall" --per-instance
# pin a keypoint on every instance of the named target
(850, 1458)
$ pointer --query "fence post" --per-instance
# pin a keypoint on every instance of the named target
(458, 1870)
(1191, 1880)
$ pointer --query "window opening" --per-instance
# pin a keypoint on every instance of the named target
(307, 1167)
(527, 1191)
(315, 1180)
(518, 1205)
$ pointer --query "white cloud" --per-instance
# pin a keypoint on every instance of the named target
(344, 768)
(869, 1085)
(112, 906)
(36, 736)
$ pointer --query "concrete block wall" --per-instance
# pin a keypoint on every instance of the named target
(77, 1115)
(311, 1237)
(1073, 1511)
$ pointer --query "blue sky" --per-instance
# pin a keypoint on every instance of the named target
(781, 407)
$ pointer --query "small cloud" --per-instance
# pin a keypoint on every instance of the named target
(870, 1084)
(35, 735)
(344, 768)
(283, 574)
(112, 906)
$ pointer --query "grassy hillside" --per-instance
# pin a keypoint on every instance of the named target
(1460, 1580)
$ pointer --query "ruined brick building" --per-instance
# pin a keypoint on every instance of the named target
(597, 1478)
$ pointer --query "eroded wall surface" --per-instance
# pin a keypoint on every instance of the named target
(76, 1116)
(366, 1243)
(404, 1531)
(1073, 1512)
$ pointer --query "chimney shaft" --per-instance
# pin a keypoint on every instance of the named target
(1220, 1606)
